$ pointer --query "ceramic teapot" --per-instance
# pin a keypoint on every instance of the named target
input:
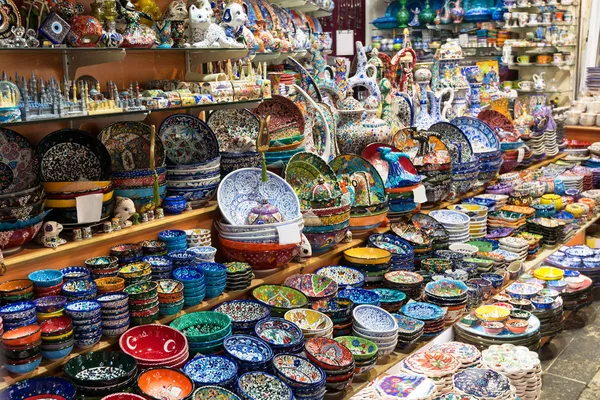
(538, 81)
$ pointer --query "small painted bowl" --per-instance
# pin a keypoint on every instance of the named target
(46, 277)
(153, 247)
(207, 393)
(82, 310)
(361, 348)
(360, 296)
(142, 291)
(558, 285)
(38, 387)
(126, 251)
(203, 326)
(23, 368)
(110, 284)
(75, 273)
(298, 372)
(16, 287)
(50, 304)
(279, 333)
(493, 327)
(100, 368)
(542, 303)
(172, 236)
(261, 385)
(517, 326)
(111, 301)
(78, 288)
(17, 311)
(22, 336)
(211, 370)
(56, 326)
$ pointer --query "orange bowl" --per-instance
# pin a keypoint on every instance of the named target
(368, 220)
(153, 382)
(16, 287)
(22, 336)
(256, 246)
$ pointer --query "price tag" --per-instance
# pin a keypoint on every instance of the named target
(89, 208)
(520, 154)
(289, 234)
(419, 194)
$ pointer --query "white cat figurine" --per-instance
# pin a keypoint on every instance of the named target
(234, 23)
(205, 33)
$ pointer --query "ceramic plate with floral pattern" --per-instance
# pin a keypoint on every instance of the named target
(128, 144)
(357, 176)
(188, 140)
(236, 130)
(19, 165)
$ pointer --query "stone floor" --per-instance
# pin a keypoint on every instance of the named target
(571, 361)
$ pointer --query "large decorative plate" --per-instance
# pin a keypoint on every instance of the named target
(19, 164)
(403, 171)
(464, 352)
(432, 363)
(481, 135)
(482, 383)
(405, 109)
(70, 155)
(286, 118)
(348, 169)
(477, 330)
(422, 311)
(431, 226)
(233, 128)
(398, 386)
(242, 190)
(128, 144)
(455, 140)
(496, 120)
(188, 140)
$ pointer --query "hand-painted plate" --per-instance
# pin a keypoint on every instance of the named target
(359, 178)
(286, 118)
(481, 135)
(128, 144)
(19, 164)
(188, 140)
(456, 141)
(70, 155)
(496, 120)
(233, 128)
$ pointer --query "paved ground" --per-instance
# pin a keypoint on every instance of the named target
(571, 361)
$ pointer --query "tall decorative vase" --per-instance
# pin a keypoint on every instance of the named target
(457, 13)
(403, 16)
(427, 15)
(422, 78)
(475, 104)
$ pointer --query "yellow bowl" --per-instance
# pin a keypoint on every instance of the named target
(309, 320)
(71, 203)
(477, 209)
(70, 187)
(367, 255)
(44, 316)
(57, 337)
(492, 313)
(549, 273)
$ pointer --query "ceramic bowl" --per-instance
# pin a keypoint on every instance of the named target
(211, 370)
(328, 354)
(22, 336)
(16, 287)
(260, 256)
(82, 310)
(298, 372)
(280, 298)
(575, 282)
(79, 288)
(244, 314)
(25, 367)
(45, 278)
(517, 326)
(152, 343)
(493, 327)
(50, 304)
(361, 348)
(542, 303)
(344, 276)
(279, 333)
(75, 273)
(203, 326)
(39, 387)
(360, 296)
(312, 323)
(247, 350)
(152, 382)
(211, 393)
(84, 369)
(110, 284)
(261, 385)
(14, 312)
(367, 255)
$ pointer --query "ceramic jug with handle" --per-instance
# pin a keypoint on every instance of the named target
(538, 81)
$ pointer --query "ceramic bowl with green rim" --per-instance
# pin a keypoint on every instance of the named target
(389, 296)
(361, 348)
(100, 368)
(280, 298)
(203, 326)
(142, 291)
(212, 393)
(482, 245)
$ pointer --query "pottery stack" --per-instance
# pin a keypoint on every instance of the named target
(432, 316)
(410, 283)
(515, 245)
(194, 288)
(313, 323)
(17, 290)
(325, 212)
(248, 352)
(334, 359)
(468, 382)
(204, 330)
(193, 160)
(170, 296)
(417, 238)
(373, 262)
(308, 385)
(57, 338)
(364, 352)
(437, 366)
(87, 322)
(143, 302)
(376, 325)
(114, 309)
(401, 250)
(103, 266)
(244, 314)
(410, 331)
(478, 218)
(13, 357)
(155, 345)
(22, 199)
(467, 354)
(161, 266)
(433, 229)
(282, 335)
(16, 315)
(239, 276)
(255, 211)
(447, 293)
(455, 222)
(215, 278)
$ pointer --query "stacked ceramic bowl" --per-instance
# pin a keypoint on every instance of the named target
(103, 266)
(239, 276)
(432, 316)
(244, 314)
(390, 300)
(335, 359)
(478, 218)
(75, 273)
(365, 352)
(87, 322)
(21, 349)
(212, 370)
(261, 385)
(153, 248)
(418, 239)
(52, 290)
(175, 239)
(437, 366)
(50, 307)
(170, 296)
(410, 283)
(198, 237)
(315, 287)
(280, 298)
(62, 199)
(126, 253)
(57, 338)
(194, 288)
(79, 289)
(182, 258)
(155, 345)
(419, 387)
(310, 384)
(447, 293)
(248, 352)
(203, 253)
(456, 223)
(253, 220)
(432, 229)
(46, 281)
(215, 278)
(138, 184)
(149, 386)
(377, 325)
(470, 382)
(282, 335)
(468, 355)
(313, 323)
(143, 302)
(339, 310)
(205, 331)
(371, 261)
(345, 277)
(196, 183)
(515, 245)
(160, 266)
(110, 285)
(360, 296)
(114, 309)
(410, 331)
(136, 272)
(18, 314)
(100, 373)
(401, 250)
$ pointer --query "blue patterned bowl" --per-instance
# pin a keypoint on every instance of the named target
(50, 304)
(260, 385)
(279, 333)
(79, 310)
(78, 288)
(25, 368)
(172, 236)
(211, 370)
(14, 312)
(213, 270)
(46, 277)
(112, 301)
(182, 258)
(76, 273)
(188, 275)
(247, 350)
(360, 296)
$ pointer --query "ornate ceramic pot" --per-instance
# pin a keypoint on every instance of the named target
(349, 134)
(375, 129)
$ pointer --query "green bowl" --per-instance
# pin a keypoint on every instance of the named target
(203, 326)
(481, 245)
(285, 141)
(142, 291)
(390, 295)
(361, 349)
(84, 370)
(279, 297)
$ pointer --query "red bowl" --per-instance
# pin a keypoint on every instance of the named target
(22, 336)
(56, 326)
(181, 359)
(153, 343)
(260, 259)
(153, 382)
(255, 246)
(50, 289)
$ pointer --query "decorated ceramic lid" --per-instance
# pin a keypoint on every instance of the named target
(264, 213)
(450, 50)
(349, 104)
(322, 190)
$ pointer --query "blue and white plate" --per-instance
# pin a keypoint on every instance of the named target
(480, 134)
(422, 311)
(188, 140)
(374, 319)
(211, 370)
(247, 349)
(450, 217)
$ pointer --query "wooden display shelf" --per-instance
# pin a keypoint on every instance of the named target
(584, 133)
(34, 257)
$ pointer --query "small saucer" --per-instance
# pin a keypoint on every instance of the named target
(523, 64)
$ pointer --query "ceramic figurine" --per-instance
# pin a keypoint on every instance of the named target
(124, 209)
(86, 232)
(538, 81)
(49, 235)
(160, 212)
(135, 33)
(205, 33)
(110, 36)
(139, 218)
(163, 29)
(415, 21)
(361, 77)
(348, 237)
(234, 19)
(305, 250)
